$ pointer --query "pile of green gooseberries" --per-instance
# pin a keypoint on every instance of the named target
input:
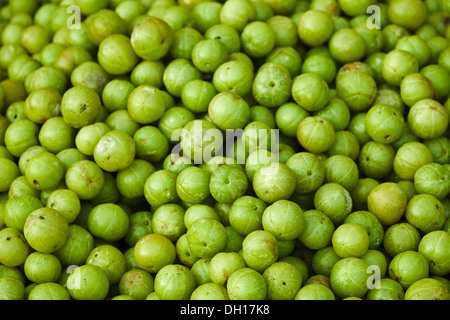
(118, 180)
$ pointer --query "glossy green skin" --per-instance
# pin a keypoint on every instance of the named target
(110, 259)
(46, 230)
(288, 116)
(357, 89)
(153, 251)
(257, 39)
(283, 279)
(410, 157)
(146, 104)
(246, 214)
(228, 184)
(77, 247)
(150, 144)
(371, 223)
(222, 266)
(316, 134)
(389, 290)
(433, 179)
(42, 267)
(47, 135)
(168, 220)
(174, 282)
(272, 85)
(308, 98)
(376, 159)
(346, 45)
(209, 54)
(425, 212)
(66, 202)
(434, 247)
(85, 178)
(246, 284)
(274, 182)
(43, 104)
(350, 240)
(334, 200)
(49, 291)
(88, 282)
(15, 248)
(197, 94)
(384, 123)
(337, 112)
(387, 191)
(410, 14)
(349, 277)
(315, 291)
(210, 291)
(97, 81)
(114, 151)
(115, 94)
(206, 237)
(229, 111)
(12, 289)
(160, 188)
(140, 225)
(108, 221)
(315, 28)
(276, 216)
(408, 267)
(308, 170)
(9, 175)
(427, 119)
(317, 231)
(427, 289)
(341, 169)
(18, 209)
(152, 31)
(178, 73)
(116, 54)
(21, 135)
(397, 64)
(189, 191)
(137, 283)
(80, 106)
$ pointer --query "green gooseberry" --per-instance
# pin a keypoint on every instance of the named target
(228, 110)
(283, 281)
(434, 247)
(350, 240)
(349, 276)
(206, 237)
(206, 15)
(146, 104)
(46, 230)
(417, 46)
(192, 185)
(114, 151)
(42, 267)
(85, 178)
(409, 14)
(315, 291)
(11, 289)
(148, 72)
(388, 289)
(407, 267)
(308, 170)
(184, 252)
(302, 93)
(434, 179)
(44, 171)
(428, 119)
(168, 220)
(323, 260)
(115, 94)
(110, 259)
(208, 54)
(376, 159)
(88, 282)
(316, 134)
(137, 283)
(317, 231)
(16, 210)
(96, 81)
(160, 188)
(315, 28)
(372, 225)
(173, 119)
(15, 248)
(209, 291)
(48, 291)
(42, 104)
(222, 266)
(174, 282)
(233, 76)
(397, 64)
(154, 251)
(177, 74)
(357, 89)
(427, 289)
(246, 213)
(246, 284)
(20, 187)
(333, 200)
(384, 123)
(21, 135)
(78, 245)
(260, 250)
(150, 144)
(425, 212)
(88, 136)
(227, 184)
(154, 31)
(116, 54)
(341, 169)
(387, 192)
(140, 225)
(337, 112)
(56, 135)
(272, 85)
(226, 33)
(199, 211)
(346, 45)
(258, 39)
(80, 106)
(293, 61)
(276, 216)
(275, 181)
(410, 157)
(108, 221)
(9, 174)
(66, 202)
(439, 148)
(197, 94)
